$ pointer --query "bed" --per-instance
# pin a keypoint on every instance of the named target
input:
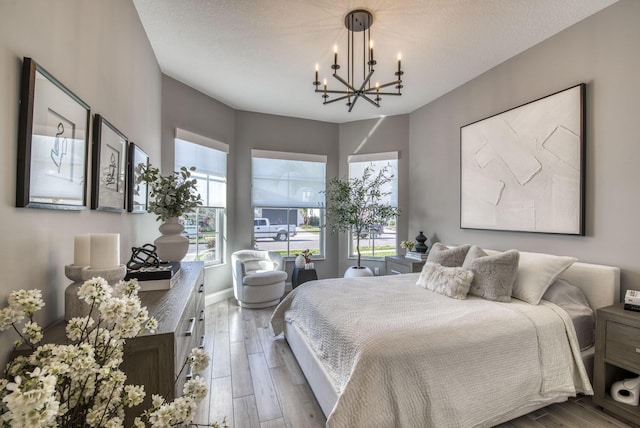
(382, 351)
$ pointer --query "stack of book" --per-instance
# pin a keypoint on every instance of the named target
(632, 300)
(162, 277)
(416, 256)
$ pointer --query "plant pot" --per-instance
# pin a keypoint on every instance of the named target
(172, 246)
(354, 272)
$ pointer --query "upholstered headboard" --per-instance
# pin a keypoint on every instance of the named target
(601, 284)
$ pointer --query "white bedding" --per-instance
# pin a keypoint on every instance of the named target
(402, 356)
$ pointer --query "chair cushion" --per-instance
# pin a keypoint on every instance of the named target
(264, 278)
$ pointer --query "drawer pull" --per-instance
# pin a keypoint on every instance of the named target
(638, 350)
(192, 323)
(201, 288)
(201, 316)
(395, 272)
(201, 345)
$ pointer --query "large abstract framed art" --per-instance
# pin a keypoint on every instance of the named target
(109, 161)
(53, 140)
(524, 169)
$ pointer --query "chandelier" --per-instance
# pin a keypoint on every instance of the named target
(358, 21)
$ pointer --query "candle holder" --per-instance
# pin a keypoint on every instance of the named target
(73, 306)
(74, 272)
(110, 274)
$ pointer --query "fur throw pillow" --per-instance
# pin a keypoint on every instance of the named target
(448, 281)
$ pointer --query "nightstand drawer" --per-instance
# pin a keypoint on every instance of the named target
(622, 343)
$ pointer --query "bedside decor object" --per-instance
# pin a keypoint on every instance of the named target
(354, 205)
(108, 165)
(408, 245)
(627, 391)
(524, 169)
(170, 197)
(79, 379)
(421, 246)
(53, 142)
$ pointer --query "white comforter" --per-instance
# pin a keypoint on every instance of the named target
(402, 356)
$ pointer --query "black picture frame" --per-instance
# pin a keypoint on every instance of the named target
(137, 193)
(523, 170)
(108, 189)
(53, 143)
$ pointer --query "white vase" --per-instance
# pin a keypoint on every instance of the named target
(172, 246)
(354, 272)
(300, 261)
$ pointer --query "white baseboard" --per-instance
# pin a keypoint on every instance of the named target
(218, 296)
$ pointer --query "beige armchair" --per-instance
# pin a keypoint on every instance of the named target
(258, 278)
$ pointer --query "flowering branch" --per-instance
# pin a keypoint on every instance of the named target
(81, 384)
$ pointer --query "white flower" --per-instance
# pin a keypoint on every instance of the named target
(126, 288)
(76, 326)
(152, 325)
(28, 301)
(134, 395)
(94, 290)
(8, 316)
(196, 388)
(32, 331)
(157, 400)
(199, 359)
(113, 309)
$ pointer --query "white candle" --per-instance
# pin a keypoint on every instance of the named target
(81, 250)
(104, 250)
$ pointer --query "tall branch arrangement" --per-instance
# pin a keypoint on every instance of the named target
(354, 204)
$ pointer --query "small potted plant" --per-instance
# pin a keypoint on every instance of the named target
(354, 205)
(170, 196)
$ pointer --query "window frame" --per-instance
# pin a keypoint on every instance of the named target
(291, 253)
(370, 158)
(220, 232)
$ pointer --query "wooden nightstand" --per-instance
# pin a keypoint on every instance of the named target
(617, 357)
(396, 265)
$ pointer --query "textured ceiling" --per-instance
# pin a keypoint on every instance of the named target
(259, 55)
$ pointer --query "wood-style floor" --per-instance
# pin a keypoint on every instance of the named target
(257, 383)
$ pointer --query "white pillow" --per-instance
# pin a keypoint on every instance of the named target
(449, 281)
(536, 272)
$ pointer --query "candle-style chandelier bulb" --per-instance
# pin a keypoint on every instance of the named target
(358, 21)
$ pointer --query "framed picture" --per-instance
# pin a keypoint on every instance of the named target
(108, 165)
(53, 141)
(524, 169)
(137, 193)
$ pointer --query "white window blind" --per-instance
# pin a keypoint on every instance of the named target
(282, 179)
(377, 161)
(211, 166)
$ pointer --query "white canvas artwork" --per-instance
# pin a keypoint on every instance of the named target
(522, 170)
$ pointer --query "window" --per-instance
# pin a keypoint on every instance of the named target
(287, 194)
(382, 240)
(206, 226)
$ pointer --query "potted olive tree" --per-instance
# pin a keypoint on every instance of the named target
(355, 205)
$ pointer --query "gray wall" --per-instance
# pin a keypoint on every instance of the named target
(280, 133)
(100, 51)
(385, 134)
(600, 51)
(184, 107)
